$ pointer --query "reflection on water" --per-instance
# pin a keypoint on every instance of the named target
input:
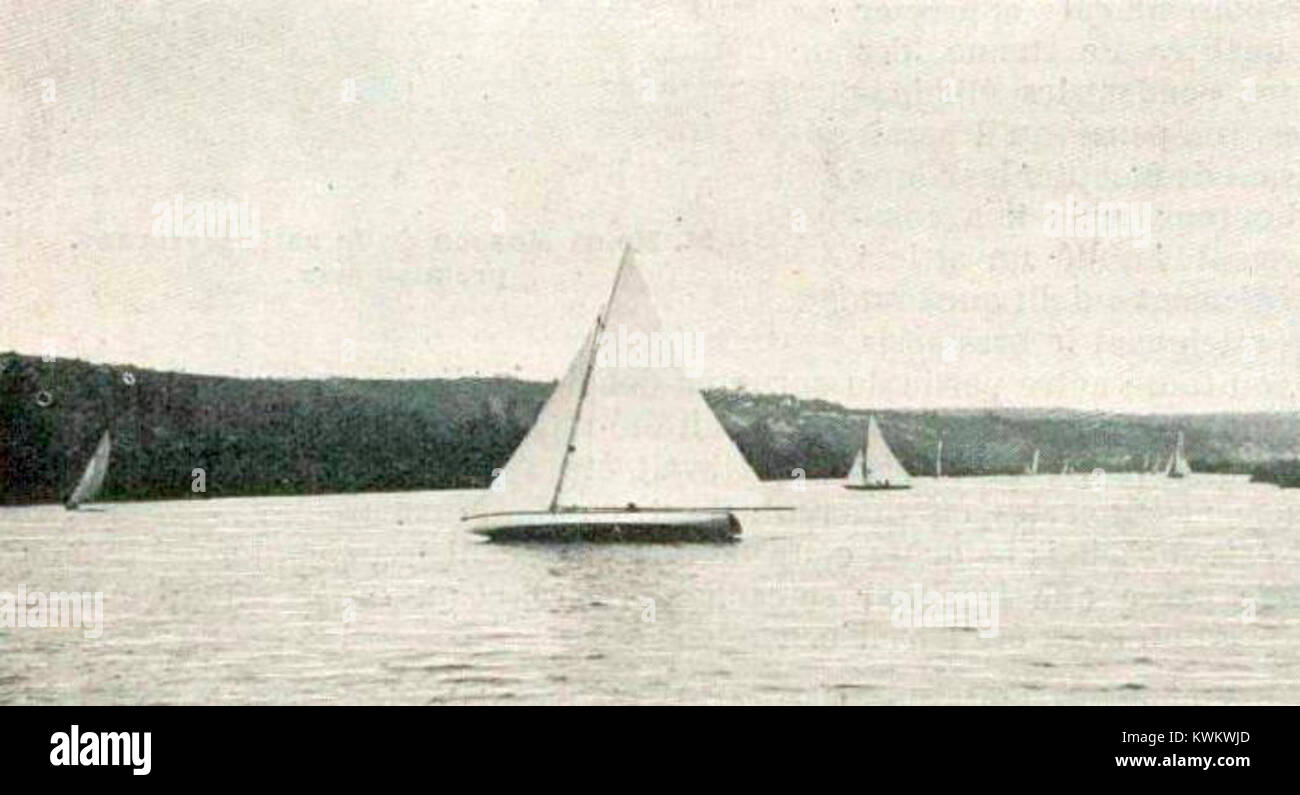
(1122, 589)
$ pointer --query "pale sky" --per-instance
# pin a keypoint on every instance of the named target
(840, 200)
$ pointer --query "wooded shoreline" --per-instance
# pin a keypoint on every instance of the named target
(314, 436)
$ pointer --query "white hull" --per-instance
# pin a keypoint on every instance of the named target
(635, 526)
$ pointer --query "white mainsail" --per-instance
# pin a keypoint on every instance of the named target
(938, 460)
(875, 465)
(92, 479)
(614, 436)
(1178, 466)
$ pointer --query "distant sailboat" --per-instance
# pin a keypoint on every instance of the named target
(938, 460)
(92, 479)
(621, 452)
(1156, 466)
(1065, 468)
(1178, 466)
(875, 467)
(1032, 469)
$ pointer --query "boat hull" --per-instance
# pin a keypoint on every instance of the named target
(643, 527)
(888, 487)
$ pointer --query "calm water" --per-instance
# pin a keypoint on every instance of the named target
(1122, 593)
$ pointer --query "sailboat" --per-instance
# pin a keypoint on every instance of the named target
(1178, 466)
(1156, 466)
(875, 467)
(621, 452)
(938, 460)
(1032, 469)
(1065, 468)
(92, 479)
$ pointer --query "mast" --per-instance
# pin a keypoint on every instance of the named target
(586, 376)
(1033, 470)
(938, 460)
(862, 454)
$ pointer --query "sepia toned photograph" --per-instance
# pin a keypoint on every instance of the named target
(649, 353)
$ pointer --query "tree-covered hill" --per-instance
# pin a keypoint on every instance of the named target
(263, 436)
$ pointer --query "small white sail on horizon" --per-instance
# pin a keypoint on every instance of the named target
(622, 438)
(92, 478)
(874, 466)
(1178, 466)
(938, 460)
(1032, 469)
